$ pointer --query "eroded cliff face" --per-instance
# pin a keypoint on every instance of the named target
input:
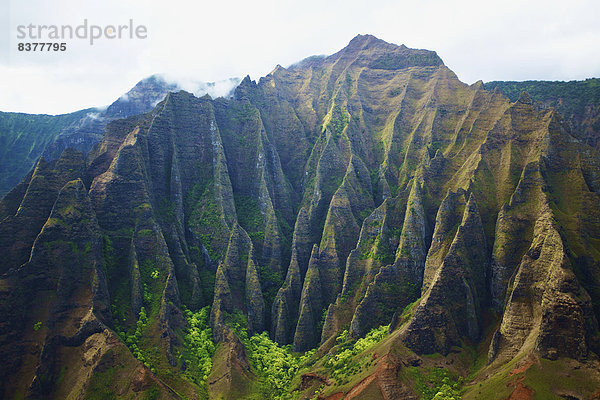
(577, 101)
(344, 192)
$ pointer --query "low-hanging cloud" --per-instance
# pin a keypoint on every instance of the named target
(220, 88)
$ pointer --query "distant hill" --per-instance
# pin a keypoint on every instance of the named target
(26, 137)
(23, 138)
(577, 101)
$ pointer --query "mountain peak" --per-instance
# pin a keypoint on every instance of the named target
(525, 98)
(372, 52)
(364, 42)
(364, 39)
(378, 54)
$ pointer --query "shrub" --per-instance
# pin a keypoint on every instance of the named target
(342, 364)
(275, 365)
(198, 345)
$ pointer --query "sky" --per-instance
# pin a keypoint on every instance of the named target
(216, 40)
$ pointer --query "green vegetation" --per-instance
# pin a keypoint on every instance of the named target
(270, 281)
(322, 320)
(343, 363)
(145, 232)
(330, 184)
(407, 312)
(248, 213)
(198, 346)
(436, 383)
(133, 336)
(119, 281)
(133, 340)
(339, 120)
(100, 383)
(380, 250)
(548, 377)
(570, 98)
(393, 295)
(274, 365)
(105, 382)
(576, 92)
(393, 61)
(206, 219)
(251, 219)
(149, 276)
(244, 113)
(388, 124)
(23, 138)
(166, 210)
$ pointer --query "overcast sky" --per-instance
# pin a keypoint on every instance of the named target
(509, 40)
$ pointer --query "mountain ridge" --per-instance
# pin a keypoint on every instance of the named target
(51, 134)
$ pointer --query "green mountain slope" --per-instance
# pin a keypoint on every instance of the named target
(23, 138)
(577, 101)
(26, 137)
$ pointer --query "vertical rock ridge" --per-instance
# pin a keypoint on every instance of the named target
(311, 307)
(540, 299)
(66, 270)
(286, 304)
(451, 306)
(19, 230)
(254, 300)
(396, 284)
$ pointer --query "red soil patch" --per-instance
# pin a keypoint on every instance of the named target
(142, 380)
(335, 396)
(521, 392)
(362, 385)
(384, 380)
(521, 369)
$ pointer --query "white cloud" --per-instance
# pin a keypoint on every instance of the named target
(213, 41)
(220, 88)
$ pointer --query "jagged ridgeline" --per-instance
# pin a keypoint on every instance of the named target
(321, 204)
